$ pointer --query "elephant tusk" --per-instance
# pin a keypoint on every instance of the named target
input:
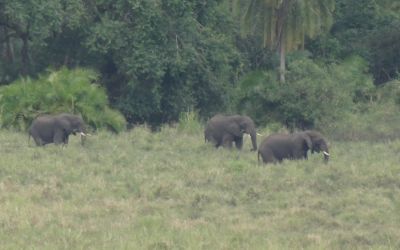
(326, 153)
(259, 134)
(82, 134)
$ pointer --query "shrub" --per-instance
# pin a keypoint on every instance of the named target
(311, 96)
(73, 91)
(377, 122)
(389, 92)
(189, 122)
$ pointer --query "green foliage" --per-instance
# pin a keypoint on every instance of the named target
(159, 58)
(28, 26)
(73, 91)
(365, 28)
(375, 120)
(189, 122)
(385, 51)
(313, 95)
(352, 76)
(170, 55)
(389, 93)
(291, 21)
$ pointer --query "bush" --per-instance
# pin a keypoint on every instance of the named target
(388, 93)
(73, 91)
(377, 122)
(189, 122)
(311, 96)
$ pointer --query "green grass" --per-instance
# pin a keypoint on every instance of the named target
(170, 190)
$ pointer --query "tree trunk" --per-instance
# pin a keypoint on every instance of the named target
(9, 51)
(282, 61)
(282, 13)
(8, 48)
(25, 55)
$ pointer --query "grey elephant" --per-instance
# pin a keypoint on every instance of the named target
(277, 147)
(56, 128)
(223, 130)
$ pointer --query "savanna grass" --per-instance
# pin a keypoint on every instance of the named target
(170, 190)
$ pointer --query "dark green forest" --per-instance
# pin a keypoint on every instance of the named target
(308, 63)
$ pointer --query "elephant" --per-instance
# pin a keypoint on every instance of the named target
(277, 147)
(56, 129)
(223, 130)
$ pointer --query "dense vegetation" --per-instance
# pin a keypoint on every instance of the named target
(57, 92)
(157, 59)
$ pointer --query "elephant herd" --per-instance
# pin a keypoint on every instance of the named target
(224, 130)
(220, 130)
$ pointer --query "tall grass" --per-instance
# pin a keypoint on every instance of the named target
(170, 190)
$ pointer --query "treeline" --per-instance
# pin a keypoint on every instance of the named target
(298, 63)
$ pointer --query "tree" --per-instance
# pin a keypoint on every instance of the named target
(369, 29)
(285, 23)
(26, 23)
(165, 57)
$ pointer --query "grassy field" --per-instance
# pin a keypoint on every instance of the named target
(170, 190)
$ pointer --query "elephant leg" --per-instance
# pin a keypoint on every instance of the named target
(216, 143)
(213, 141)
(38, 141)
(227, 141)
(269, 157)
(239, 142)
(36, 137)
(59, 137)
(66, 137)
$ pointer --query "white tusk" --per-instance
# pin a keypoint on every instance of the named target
(82, 134)
(326, 153)
(259, 134)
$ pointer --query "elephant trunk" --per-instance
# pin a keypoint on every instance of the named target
(253, 136)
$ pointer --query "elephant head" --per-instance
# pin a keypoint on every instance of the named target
(72, 124)
(318, 143)
(247, 126)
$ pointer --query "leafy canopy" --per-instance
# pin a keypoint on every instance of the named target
(309, 98)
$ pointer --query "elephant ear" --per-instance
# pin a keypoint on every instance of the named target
(307, 141)
(65, 125)
(316, 140)
(234, 129)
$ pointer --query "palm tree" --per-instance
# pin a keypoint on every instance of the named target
(285, 23)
